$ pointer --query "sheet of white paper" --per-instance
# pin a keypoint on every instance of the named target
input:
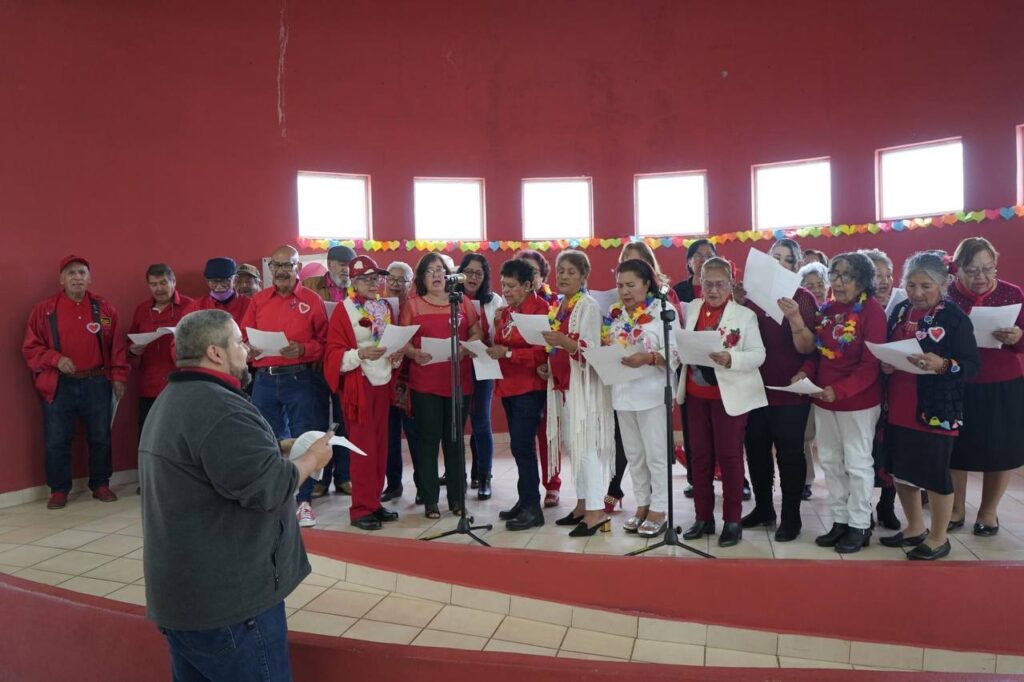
(531, 326)
(485, 366)
(765, 282)
(147, 338)
(694, 347)
(395, 338)
(803, 387)
(440, 350)
(896, 354)
(988, 319)
(605, 299)
(269, 344)
(607, 362)
(346, 443)
(330, 305)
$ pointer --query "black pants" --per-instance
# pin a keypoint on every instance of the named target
(145, 405)
(781, 427)
(433, 415)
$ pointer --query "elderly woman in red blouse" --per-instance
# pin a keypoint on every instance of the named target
(992, 438)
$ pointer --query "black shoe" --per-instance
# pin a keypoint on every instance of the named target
(758, 517)
(510, 513)
(368, 522)
(569, 520)
(787, 532)
(484, 491)
(925, 553)
(887, 516)
(853, 540)
(384, 515)
(419, 499)
(444, 479)
(391, 494)
(899, 540)
(806, 494)
(983, 531)
(699, 529)
(688, 491)
(526, 519)
(474, 483)
(582, 530)
(830, 538)
(746, 494)
(953, 525)
(731, 534)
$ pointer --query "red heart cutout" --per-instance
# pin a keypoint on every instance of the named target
(991, 214)
(937, 334)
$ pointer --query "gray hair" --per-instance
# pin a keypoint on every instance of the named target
(877, 257)
(931, 263)
(861, 267)
(404, 267)
(813, 269)
(199, 330)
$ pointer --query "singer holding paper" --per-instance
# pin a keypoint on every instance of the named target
(430, 382)
(846, 411)
(925, 411)
(993, 432)
(718, 396)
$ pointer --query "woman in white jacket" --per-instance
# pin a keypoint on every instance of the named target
(718, 398)
(635, 324)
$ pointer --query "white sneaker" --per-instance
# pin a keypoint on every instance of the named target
(305, 516)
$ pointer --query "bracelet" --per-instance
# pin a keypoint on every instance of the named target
(654, 359)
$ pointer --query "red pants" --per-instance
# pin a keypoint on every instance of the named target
(715, 437)
(371, 436)
(555, 482)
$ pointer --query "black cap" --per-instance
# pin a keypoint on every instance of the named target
(219, 268)
(342, 254)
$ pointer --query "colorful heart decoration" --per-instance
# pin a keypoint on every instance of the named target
(961, 216)
(976, 216)
(991, 214)
(585, 243)
(899, 225)
(1007, 213)
(936, 333)
(1019, 210)
(921, 222)
(874, 229)
(814, 231)
(921, 335)
(678, 241)
(667, 242)
(836, 231)
(494, 246)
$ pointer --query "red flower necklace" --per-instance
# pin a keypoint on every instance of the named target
(628, 326)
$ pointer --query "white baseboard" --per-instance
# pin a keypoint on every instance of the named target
(41, 492)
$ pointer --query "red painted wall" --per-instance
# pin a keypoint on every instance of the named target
(141, 132)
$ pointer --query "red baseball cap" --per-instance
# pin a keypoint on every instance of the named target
(72, 258)
(364, 265)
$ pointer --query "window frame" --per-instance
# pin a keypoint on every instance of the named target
(590, 206)
(431, 179)
(879, 215)
(775, 164)
(368, 195)
(636, 202)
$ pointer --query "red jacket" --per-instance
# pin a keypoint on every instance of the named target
(157, 361)
(40, 348)
(341, 337)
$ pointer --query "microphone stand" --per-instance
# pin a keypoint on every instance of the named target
(672, 532)
(464, 526)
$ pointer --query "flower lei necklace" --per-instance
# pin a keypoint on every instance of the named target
(844, 335)
(559, 314)
(631, 323)
(375, 321)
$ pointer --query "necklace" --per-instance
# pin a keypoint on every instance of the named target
(628, 325)
(844, 335)
(559, 314)
(376, 320)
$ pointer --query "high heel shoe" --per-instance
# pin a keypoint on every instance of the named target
(609, 503)
(582, 530)
(569, 520)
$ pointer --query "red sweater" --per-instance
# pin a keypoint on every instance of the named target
(157, 361)
(785, 361)
(997, 364)
(519, 371)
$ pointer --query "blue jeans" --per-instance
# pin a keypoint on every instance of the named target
(286, 402)
(255, 649)
(88, 400)
(399, 419)
(524, 413)
(337, 468)
(481, 442)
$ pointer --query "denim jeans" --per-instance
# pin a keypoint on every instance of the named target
(524, 413)
(481, 442)
(337, 468)
(253, 650)
(88, 400)
(286, 402)
(399, 419)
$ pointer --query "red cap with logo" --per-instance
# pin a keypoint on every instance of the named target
(364, 265)
(72, 258)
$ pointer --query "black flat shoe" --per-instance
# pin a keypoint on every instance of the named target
(688, 491)
(368, 522)
(569, 520)
(830, 538)
(484, 491)
(759, 517)
(983, 531)
(385, 516)
(787, 532)
(699, 529)
(746, 492)
(507, 514)
(391, 494)
(853, 540)
(732, 533)
(582, 530)
(925, 553)
(899, 540)
(887, 516)
(526, 519)
(953, 525)
(806, 494)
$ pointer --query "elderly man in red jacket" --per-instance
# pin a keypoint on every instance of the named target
(79, 361)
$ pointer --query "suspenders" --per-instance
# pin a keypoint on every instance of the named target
(95, 318)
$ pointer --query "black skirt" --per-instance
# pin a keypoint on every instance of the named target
(920, 458)
(992, 437)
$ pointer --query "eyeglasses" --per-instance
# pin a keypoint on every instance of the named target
(715, 284)
(473, 274)
(430, 272)
(988, 271)
(397, 281)
(287, 265)
(841, 277)
(219, 282)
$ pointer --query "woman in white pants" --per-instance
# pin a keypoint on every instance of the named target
(639, 405)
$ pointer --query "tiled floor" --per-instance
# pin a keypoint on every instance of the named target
(95, 548)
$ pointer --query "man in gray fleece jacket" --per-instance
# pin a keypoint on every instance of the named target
(222, 549)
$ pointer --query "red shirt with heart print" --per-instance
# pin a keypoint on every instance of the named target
(302, 317)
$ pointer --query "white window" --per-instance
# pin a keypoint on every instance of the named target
(334, 205)
(919, 180)
(671, 203)
(449, 208)
(792, 194)
(557, 208)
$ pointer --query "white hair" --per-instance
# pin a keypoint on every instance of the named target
(813, 269)
(404, 267)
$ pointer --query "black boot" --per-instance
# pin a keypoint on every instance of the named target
(731, 534)
(507, 514)
(886, 509)
(758, 517)
(788, 530)
(853, 540)
(830, 538)
(528, 517)
(484, 491)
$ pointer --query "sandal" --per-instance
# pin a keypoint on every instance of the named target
(432, 512)
(609, 503)
(633, 525)
(651, 529)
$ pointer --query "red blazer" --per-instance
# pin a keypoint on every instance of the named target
(341, 338)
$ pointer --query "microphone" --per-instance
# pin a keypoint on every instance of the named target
(456, 278)
(662, 292)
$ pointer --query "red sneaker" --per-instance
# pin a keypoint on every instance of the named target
(104, 494)
(57, 501)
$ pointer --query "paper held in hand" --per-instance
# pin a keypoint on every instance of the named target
(395, 338)
(988, 319)
(147, 338)
(607, 362)
(439, 350)
(531, 326)
(695, 347)
(268, 344)
(765, 282)
(484, 365)
(803, 387)
(896, 354)
(605, 299)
